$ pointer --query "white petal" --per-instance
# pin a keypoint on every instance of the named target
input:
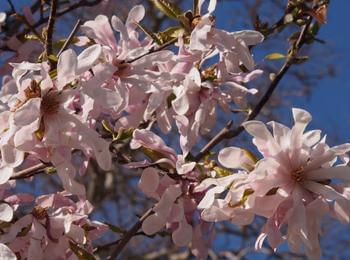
(301, 116)
(136, 14)
(5, 174)
(66, 67)
(250, 37)
(234, 157)
(28, 113)
(211, 6)
(6, 253)
(257, 129)
(87, 58)
(6, 212)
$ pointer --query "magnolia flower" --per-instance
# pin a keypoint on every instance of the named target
(216, 207)
(298, 173)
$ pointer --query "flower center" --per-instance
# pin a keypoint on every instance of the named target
(50, 104)
(297, 175)
(123, 69)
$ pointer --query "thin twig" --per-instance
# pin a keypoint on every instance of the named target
(226, 132)
(29, 172)
(49, 31)
(161, 47)
(13, 9)
(70, 37)
(41, 9)
(129, 234)
(30, 26)
(41, 21)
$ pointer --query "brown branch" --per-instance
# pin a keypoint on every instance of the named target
(159, 48)
(29, 172)
(70, 37)
(129, 234)
(50, 29)
(13, 9)
(43, 20)
(226, 132)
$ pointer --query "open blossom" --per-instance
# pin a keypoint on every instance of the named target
(55, 223)
(296, 183)
(302, 171)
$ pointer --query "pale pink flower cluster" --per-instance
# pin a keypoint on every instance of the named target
(298, 181)
(49, 115)
(171, 182)
(55, 225)
(121, 80)
(46, 114)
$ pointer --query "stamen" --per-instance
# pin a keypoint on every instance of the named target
(297, 175)
(50, 104)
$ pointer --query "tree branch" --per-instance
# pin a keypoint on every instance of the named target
(129, 234)
(159, 48)
(50, 29)
(70, 37)
(29, 172)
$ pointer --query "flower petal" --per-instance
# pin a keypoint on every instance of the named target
(87, 58)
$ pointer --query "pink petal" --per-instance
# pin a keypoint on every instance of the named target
(149, 180)
(163, 207)
(182, 236)
(28, 113)
(153, 224)
(209, 197)
(87, 58)
(340, 172)
(11, 156)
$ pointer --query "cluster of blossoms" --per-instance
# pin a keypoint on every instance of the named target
(53, 230)
(125, 83)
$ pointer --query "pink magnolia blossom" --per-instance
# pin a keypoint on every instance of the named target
(55, 223)
(292, 185)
